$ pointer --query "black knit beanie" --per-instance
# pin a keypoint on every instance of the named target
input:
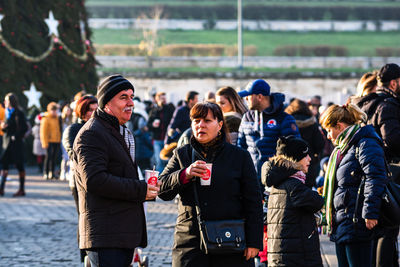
(389, 72)
(111, 86)
(292, 147)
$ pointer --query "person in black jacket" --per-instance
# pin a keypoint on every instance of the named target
(14, 129)
(159, 119)
(292, 231)
(358, 155)
(379, 98)
(84, 109)
(311, 133)
(234, 192)
(111, 215)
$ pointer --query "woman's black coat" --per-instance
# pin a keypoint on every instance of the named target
(13, 144)
(292, 231)
(234, 193)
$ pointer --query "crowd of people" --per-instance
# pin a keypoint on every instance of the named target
(289, 172)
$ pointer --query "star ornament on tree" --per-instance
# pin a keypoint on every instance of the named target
(33, 96)
(52, 24)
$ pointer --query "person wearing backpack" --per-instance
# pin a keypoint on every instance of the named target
(14, 128)
(358, 155)
(383, 111)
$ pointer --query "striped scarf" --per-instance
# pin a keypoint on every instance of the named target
(341, 147)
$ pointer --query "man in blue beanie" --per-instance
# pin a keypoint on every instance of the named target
(264, 123)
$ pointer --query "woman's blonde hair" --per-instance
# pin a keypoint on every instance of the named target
(367, 83)
(349, 114)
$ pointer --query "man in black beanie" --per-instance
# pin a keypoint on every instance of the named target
(383, 111)
(111, 220)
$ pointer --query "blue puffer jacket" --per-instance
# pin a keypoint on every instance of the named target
(261, 141)
(365, 156)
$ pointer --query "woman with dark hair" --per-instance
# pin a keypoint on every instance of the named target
(234, 191)
(84, 109)
(14, 128)
(233, 109)
(310, 132)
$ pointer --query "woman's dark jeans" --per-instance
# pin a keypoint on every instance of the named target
(354, 254)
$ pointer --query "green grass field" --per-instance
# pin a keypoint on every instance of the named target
(358, 43)
(234, 2)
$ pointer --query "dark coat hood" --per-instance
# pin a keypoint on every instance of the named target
(277, 170)
(277, 100)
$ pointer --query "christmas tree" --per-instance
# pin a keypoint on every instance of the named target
(45, 45)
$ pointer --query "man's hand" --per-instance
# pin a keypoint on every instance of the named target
(250, 253)
(370, 223)
(152, 191)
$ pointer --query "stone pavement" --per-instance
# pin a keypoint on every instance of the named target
(40, 229)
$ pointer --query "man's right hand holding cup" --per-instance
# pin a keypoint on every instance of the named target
(152, 191)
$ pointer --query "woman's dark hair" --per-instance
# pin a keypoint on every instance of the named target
(234, 99)
(83, 105)
(298, 106)
(13, 100)
(200, 110)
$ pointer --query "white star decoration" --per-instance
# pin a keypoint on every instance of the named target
(1, 17)
(52, 24)
(33, 96)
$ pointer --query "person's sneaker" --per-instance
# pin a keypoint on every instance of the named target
(45, 177)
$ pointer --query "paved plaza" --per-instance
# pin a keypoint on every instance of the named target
(40, 229)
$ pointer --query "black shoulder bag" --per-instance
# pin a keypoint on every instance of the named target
(219, 237)
(389, 215)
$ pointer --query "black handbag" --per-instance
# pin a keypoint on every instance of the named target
(222, 236)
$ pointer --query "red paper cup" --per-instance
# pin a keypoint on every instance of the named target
(151, 177)
(206, 179)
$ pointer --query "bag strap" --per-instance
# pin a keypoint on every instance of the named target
(195, 194)
(198, 211)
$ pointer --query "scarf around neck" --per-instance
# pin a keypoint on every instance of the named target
(341, 147)
(209, 150)
(300, 176)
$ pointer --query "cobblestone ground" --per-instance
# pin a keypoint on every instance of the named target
(40, 229)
